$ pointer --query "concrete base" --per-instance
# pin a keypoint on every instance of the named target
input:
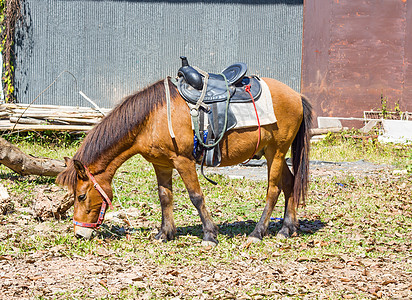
(396, 131)
(329, 122)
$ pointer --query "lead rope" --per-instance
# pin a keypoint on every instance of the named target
(247, 89)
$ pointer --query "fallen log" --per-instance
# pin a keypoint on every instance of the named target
(318, 131)
(23, 164)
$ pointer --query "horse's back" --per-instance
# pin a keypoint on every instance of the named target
(283, 95)
(287, 105)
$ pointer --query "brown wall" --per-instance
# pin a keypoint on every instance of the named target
(354, 51)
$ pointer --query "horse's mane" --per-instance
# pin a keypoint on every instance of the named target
(124, 119)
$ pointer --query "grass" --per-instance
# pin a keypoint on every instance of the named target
(361, 225)
(349, 146)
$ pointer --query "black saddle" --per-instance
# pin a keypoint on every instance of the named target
(191, 82)
(232, 82)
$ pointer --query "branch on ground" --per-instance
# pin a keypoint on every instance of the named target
(23, 164)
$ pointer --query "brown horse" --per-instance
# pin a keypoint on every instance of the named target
(138, 125)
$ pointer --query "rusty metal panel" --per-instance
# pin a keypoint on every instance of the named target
(406, 104)
(355, 52)
(316, 31)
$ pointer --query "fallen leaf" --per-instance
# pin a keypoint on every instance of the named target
(6, 257)
(344, 279)
(324, 243)
(34, 278)
(303, 258)
(338, 266)
(172, 272)
(386, 282)
(378, 294)
(246, 245)
(138, 278)
(206, 249)
(374, 290)
(103, 283)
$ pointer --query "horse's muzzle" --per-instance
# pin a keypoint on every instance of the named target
(83, 232)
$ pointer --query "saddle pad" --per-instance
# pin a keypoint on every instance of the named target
(245, 112)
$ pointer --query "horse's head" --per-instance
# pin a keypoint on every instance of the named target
(91, 198)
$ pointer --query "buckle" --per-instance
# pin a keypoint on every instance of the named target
(194, 112)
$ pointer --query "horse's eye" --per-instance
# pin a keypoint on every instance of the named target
(82, 197)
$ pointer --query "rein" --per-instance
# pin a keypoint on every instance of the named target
(106, 201)
(247, 89)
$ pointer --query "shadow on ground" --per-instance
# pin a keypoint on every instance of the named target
(230, 230)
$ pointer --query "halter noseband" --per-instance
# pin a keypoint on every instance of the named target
(106, 201)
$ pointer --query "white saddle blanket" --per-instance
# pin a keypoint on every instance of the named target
(245, 112)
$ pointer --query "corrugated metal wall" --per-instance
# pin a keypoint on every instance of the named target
(356, 51)
(116, 47)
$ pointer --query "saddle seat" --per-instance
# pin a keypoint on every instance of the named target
(191, 81)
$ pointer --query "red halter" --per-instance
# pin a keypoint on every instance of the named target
(106, 200)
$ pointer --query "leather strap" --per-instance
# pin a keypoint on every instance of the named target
(169, 112)
(195, 120)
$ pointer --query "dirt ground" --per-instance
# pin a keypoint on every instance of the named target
(51, 273)
(257, 170)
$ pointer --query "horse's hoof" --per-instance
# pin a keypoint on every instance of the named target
(161, 237)
(284, 234)
(208, 244)
(281, 236)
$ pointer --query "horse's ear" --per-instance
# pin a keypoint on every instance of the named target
(67, 160)
(80, 170)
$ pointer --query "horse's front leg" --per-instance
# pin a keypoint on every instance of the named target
(187, 170)
(164, 181)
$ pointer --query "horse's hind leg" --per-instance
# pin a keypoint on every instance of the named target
(275, 166)
(187, 170)
(290, 222)
(164, 180)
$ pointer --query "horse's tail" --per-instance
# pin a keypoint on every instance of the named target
(300, 154)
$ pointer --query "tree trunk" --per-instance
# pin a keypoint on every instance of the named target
(13, 158)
